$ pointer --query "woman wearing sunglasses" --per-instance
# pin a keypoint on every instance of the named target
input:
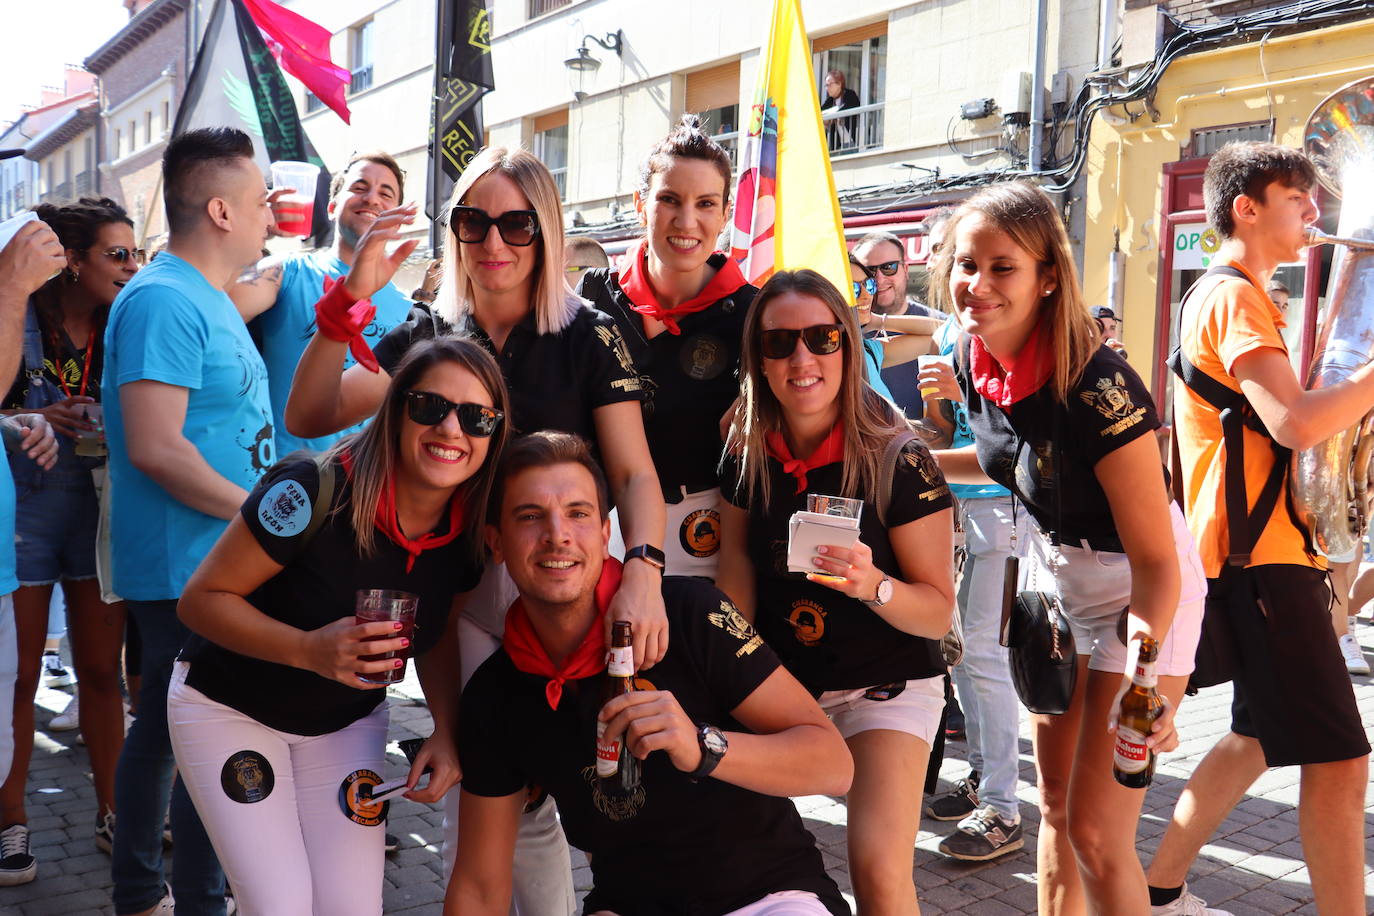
(275, 731)
(896, 339)
(57, 510)
(1065, 424)
(567, 369)
(861, 629)
(680, 304)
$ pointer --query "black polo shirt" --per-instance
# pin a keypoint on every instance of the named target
(1021, 447)
(317, 586)
(690, 379)
(675, 847)
(555, 380)
(827, 639)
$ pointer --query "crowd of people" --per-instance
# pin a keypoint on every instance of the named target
(543, 446)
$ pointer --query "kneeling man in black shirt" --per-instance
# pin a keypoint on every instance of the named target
(724, 732)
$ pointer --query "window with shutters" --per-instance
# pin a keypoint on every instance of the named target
(713, 96)
(360, 61)
(551, 146)
(851, 80)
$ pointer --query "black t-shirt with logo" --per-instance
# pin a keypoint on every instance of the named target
(690, 379)
(674, 847)
(1022, 447)
(555, 380)
(317, 586)
(827, 639)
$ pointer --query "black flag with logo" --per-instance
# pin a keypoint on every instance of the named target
(236, 83)
(462, 75)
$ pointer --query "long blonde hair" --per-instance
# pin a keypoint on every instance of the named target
(553, 302)
(1027, 215)
(870, 421)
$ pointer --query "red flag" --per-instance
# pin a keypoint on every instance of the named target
(302, 49)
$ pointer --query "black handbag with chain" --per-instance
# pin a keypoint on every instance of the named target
(1042, 652)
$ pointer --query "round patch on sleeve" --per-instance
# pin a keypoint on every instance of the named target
(355, 806)
(285, 509)
(246, 777)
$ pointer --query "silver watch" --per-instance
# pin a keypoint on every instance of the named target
(884, 594)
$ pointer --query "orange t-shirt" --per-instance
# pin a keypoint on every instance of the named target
(1234, 319)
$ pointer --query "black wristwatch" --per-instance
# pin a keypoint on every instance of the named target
(713, 746)
(649, 554)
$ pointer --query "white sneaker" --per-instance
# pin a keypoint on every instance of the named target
(1187, 904)
(56, 674)
(67, 719)
(1355, 661)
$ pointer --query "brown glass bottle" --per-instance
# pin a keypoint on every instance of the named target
(1133, 764)
(616, 768)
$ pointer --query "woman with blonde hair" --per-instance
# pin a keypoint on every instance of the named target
(567, 368)
(861, 629)
(1064, 423)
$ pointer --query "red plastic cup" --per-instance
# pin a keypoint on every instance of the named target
(377, 604)
(295, 211)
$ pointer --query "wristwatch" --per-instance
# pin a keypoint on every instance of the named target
(713, 747)
(649, 554)
(884, 594)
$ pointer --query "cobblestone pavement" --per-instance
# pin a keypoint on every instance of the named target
(1253, 866)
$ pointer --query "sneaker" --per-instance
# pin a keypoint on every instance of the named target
(67, 719)
(17, 865)
(983, 835)
(1355, 661)
(104, 832)
(954, 722)
(1188, 904)
(56, 674)
(391, 843)
(957, 804)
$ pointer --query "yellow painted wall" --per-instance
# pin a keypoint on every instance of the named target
(1216, 88)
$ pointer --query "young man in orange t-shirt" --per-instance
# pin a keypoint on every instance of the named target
(1294, 704)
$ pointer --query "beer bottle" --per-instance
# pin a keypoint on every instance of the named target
(616, 767)
(1133, 764)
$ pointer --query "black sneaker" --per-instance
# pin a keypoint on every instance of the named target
(17, 865)
(391, 843)
(954, 722)
(958, 804)
(981, 836)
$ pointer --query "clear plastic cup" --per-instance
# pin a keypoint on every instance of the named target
(373, 604)
(91, 442)
(295, 210)
(838, 506)
(925, 362)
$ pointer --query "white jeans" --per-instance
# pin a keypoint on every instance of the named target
(542, 876)
(293, 851)
(9, 670)
(783, 903)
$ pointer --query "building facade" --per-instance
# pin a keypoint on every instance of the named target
(34, 178)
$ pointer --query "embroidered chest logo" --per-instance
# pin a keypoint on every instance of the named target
(703, 357)
(729, 619)
(614, 807)
(1113, 401)
(808, 622)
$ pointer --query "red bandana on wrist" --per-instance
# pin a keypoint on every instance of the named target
(634, 281)
(1026, 375)
(527, 653)
(828, 452)
(386, 522)
(340, 317)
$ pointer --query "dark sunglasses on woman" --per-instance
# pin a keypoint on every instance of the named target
(430, 409)
(867, 284)
(122, 255)
(820, 339)
(889, 268)
(517, 227)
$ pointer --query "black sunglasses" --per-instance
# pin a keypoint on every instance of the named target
(820, 339)
(889, 268)
(517, 227)
(430, 409)
(122, 255)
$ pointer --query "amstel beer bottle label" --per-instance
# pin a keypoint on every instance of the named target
(1130, 755)
(620, 662)
(607, 753)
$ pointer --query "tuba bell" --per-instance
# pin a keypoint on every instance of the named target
(1331, 482)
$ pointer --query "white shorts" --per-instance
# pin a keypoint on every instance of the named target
(1095, 586)
(782, 903)
(913, 708)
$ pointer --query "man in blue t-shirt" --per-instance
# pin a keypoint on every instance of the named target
(189, 426)
(279, 293)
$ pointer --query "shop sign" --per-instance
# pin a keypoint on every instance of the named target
(1194, 246)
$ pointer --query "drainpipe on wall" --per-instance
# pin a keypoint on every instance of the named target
(1106, 34)
(1037, 100)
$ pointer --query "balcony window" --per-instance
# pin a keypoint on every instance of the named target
(722, 124)
(540, 7)
(852, 81)
(361, 57)
(551, 146)
(312, 102)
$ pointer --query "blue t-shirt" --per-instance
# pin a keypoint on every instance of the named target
(170, 325)
(9, 578)
(287, 327)
(945, 338)
(873, 362)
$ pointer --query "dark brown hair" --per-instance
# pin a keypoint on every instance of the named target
(1248, 168)
(686, 141)
(77, 226)
(185, 164)
(541, 450)
(380, 158)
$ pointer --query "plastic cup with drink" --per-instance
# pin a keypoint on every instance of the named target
(295, 210)
(374, 604)
(924, 364)
(90, 443)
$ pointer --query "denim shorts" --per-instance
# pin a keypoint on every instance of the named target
(55, 521)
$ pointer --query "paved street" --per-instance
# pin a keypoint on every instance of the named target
(1254, 866)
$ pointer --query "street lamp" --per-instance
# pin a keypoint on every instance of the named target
(583, 63)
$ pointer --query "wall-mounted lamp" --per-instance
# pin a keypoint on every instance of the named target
(583, 63)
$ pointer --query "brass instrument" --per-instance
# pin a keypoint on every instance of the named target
(1331, 482)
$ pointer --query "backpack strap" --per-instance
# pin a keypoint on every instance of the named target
(889, 471)
(324, 498)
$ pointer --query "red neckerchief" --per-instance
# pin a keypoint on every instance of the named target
(634, 281)
(1004, 387)
(528, 654)
(828, 452)
(386, 522)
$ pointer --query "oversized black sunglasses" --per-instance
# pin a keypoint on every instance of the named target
(122, 255)
(517, 227)
(889, 268)
(430, 409)
(820, 339)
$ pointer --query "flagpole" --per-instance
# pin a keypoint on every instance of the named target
(442, 29)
